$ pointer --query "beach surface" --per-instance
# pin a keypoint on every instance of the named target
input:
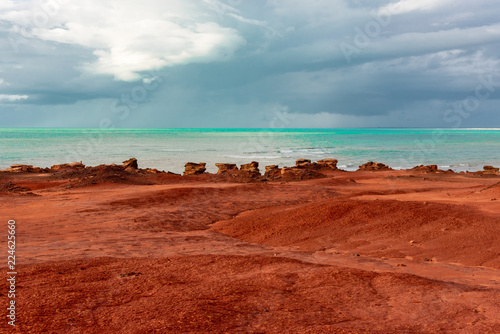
(349, 252)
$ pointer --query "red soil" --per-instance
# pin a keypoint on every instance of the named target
(381, 228)
(360, 252)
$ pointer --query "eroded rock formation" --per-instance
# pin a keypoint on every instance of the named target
(303, 163)
(70, 166)
(130, 163)
(328, 164)
(374, 166)
(25, 168)
(490, 170)
(192, 168)
(252, 167)
(426, 169)
(272, 171)
(297, 174)
(224, 168)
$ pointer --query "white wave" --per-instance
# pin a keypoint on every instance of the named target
(253, 156)
(493, 129)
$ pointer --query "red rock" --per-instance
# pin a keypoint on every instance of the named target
(328, 164)
(271, 168)
(70, 166)
(272, 171)
(19, 168)
(192, 168)
(303, 163)
(374, 166)
(296, 174)
(60, 167)
(25, 168)
(153, 171)
(490, 170)
(77, 165)
(224, 168)
(425, 169)
(252, 167)
(130, 163)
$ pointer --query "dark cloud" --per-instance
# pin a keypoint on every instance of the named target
(329, 63)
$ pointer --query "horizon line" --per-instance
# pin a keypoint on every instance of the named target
(249, 128)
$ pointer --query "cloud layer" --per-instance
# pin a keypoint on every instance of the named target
(233, 63)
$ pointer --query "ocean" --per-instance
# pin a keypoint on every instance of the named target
(170, 149)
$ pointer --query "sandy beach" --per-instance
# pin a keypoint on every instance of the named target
(112, 249)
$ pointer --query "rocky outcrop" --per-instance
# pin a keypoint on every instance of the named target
(303, 163)
(425, 169)
(153, 171)
(252, 168)
(192, 168)
(289, 170)
(298, 174)
(247, 173)
(18, 168)
(70, 166)
(328, 164)
(272, 171)
(490, 170)
(224, 168)
(130, 163)
(374, 166)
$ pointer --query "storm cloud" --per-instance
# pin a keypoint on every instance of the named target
(242, 63)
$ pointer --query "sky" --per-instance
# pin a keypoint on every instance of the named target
(250, 63)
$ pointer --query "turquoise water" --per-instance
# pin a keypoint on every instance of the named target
(170, 149)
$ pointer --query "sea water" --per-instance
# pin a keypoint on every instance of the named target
(170, 149)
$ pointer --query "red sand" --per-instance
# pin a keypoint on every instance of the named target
(360, 252)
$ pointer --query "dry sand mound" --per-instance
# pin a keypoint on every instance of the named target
(195, 208)
(425, 231)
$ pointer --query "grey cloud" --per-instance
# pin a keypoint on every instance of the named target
(291, 57)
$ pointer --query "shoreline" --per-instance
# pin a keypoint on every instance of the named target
(306, 164)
